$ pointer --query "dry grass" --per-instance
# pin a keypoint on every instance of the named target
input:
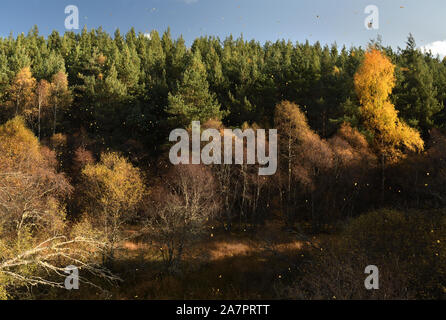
(224, 250)
(239, 265)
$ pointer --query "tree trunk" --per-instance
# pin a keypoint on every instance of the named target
(288, 209)
(383, 178)
(39, 118)
(55, 119)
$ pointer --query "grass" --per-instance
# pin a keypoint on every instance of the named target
(238, 265)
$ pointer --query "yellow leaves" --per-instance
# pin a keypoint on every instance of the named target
(375, 79)
(410, 138)
(22, 90)
(374, 83)
(18, 143)
(336, 70)
(24, 79)
(3, 293)
(30, 185)
(85, 229)
(114, 184)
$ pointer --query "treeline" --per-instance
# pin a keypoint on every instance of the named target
(137, 87)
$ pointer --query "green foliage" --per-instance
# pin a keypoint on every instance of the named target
(417, 94)
(193, 101)
(129, 86)
(126, 92)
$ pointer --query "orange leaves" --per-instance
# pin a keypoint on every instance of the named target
(29, 184)
(18, 145)
(22, 90)
(289, 118)
(27, 97)
(101, 59)
(302, 151)
(82, 158)
(24, 79)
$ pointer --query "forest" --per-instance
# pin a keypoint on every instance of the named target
(85, 177)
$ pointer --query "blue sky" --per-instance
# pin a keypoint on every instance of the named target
(328, 21)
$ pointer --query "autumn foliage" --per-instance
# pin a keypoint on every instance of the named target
(374, 83)
(85, 176)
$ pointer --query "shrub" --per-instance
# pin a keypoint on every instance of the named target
(408, 249)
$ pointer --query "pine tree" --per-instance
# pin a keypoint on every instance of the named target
(417, 94)
(193, 101)
(4, 75)
(50, 65)
(129, 67)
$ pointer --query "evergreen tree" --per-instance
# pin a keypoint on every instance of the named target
(193, 101)
(417, 94)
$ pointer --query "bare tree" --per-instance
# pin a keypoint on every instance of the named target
(179, 211)
(44, 263)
